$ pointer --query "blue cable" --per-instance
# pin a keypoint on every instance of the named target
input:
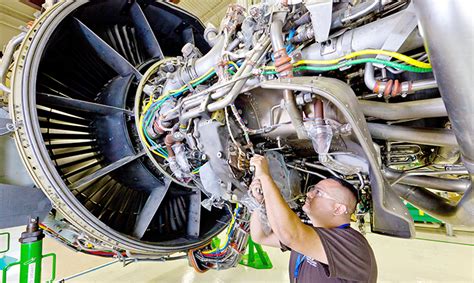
(291, 34)
(230, 235)
(156, 105)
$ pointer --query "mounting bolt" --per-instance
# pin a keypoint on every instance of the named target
(220, 154)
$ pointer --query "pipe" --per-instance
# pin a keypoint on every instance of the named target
(203, 64)
(361, 10)
(369, 36)
(306, 171)
(169, 141)
(233, 44)
(436, 137)
(393, 88)
(304, 19)
(442, 184)
(196, 67)
(420, 85)
(285, 69)
(276, 36)
(436, 206)
(7, 58)
(320, 167)
(417, 109)
(369, 76)
(448, 33)
(318, 109)
(428, 173)
(245, 69)
(294, 113)
(211, 35)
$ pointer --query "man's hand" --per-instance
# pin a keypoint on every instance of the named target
(261, 166)
(256, 189)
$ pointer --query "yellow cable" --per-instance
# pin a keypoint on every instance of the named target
(150, 102)
(268, 68)
(318, 62)
(227, 233)
(233, 64)
(396, 55)
(163, 96)
(147, 106)
(140, 131)
(197, 79)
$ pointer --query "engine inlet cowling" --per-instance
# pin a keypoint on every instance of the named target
(73, 92)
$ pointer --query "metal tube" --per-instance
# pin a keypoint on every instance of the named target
(306, 171)
(437, 137)
(197, 68)
(211, 35)
(294, 113)
(7, 58)
(276, 36)
(192, 103)
(439, 207)
(306, 18)
(361, 10)
(369, 76)
(320, 167)
(443, 24)
(278, 47)
(419, 85)
(442, 184)
(196, 99)
(318, 109)
(203, 64)
(426, 108)
(407, 87)
(427, 173)
(236, 89)
(234, 43)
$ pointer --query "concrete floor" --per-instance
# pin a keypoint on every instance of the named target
(431, 257)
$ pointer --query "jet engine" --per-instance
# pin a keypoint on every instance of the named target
(138, 123)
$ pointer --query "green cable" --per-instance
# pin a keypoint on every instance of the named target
(159, 104)
(371, 60)
(356, 62)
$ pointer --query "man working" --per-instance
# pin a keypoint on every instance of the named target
(330, 251)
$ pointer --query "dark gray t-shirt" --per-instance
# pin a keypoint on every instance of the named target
(350, 259)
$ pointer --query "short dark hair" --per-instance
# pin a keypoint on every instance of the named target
(346, 185)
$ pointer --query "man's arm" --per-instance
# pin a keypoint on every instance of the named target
(257, 234)
(286, 225)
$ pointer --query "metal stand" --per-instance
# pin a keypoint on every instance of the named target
(31, 255)
(258, 260)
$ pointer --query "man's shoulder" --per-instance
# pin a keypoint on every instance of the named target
(348, 237)
(339, 231)
(349, 254)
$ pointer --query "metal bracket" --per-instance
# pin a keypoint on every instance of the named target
(321, 17)
(390, 216)
(405, 26)
(6, 124)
